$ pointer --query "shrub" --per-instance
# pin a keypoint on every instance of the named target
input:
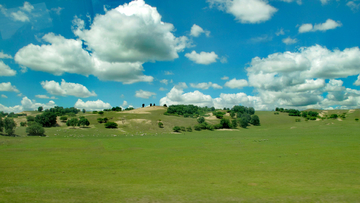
(255, 120)
(234, 123)
(197, 127)
(334, 116)
(312, 118)
(176, 129)
(225, 123)
(160, 124)
(9, 125)
(189, 129)
(182, 128)
(218, 126)
(201, 120)
(46, 119)
(101, 112)
(111, 125)
(219, 115)
(232, 114)
(210, 127)
(243, 123)
(100, 120)
(63, 119)
(105, 120)
(356, 119)
(84, 122)
(30, 118)
(23, 124)
(35, 129)
(186, 115)
(72, 122)
(95, 112)
(297, 120)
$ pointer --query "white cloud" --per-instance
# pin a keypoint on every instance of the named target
(57, 10)
(42, 96)
(177, 96)
(205, 85)
(164, 81)
(223, 59)
(162, 89)
(234, 83)
(92, 105)
(280, 32)
(67, 89)
(204, 58)
(27, 105)
(124, 103)
(323, 2)
(246, 11)
(357, 82)
(7, 87)
(196, 31)
(290, 1)
(289, 40)
(4, 96)
(27, 7)
(353, 6)
(328, 25)
(67, 55)
(5, 70)
(169, 73)
(20, 16)
(225, 78)
(132, 32)
(4, 56)
(144, 94)
(181, 85)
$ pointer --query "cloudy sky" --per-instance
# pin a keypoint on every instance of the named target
(95, 54)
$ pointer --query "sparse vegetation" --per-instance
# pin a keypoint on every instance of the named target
(111, 125)
(35, 129)
(176, 129)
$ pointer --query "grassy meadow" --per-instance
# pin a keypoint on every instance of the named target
(279, 161)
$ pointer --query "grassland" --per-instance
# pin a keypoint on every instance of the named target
(279, 161)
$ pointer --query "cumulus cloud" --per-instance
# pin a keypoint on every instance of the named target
(353, 6)
(234, 83)
(323, 2)
(181, 85)
(5, 70)
(204, 58)
(7, 87)
(246, 11)
(67, 55)
(40, 96)
(168, 73)
(289, 40)
(144, 94)
(328, 25)
(165, 81)
(27, 105)
(225, 78)
(357, 82)
(132, 32)
(57, 10)
(290, 1)
(97, 105)
(280, 32)
(67, 89)
(20, 16)
(4, 56)
(124, 103)
(196, 31)
(205, 85)
(177, 96)
(4, 96)
(162, 89)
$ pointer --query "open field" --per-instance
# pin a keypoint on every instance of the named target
(279, 161)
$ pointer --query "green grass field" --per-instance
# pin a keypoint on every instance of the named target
(279, 161)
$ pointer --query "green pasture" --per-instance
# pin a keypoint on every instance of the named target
(279, 161)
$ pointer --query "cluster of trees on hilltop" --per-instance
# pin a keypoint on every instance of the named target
(117, 108)
(188, 110)
(60, 111)
(11, 114)
(309, 115)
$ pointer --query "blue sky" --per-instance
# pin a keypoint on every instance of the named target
(95, 54)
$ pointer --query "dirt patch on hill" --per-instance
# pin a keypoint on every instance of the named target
(210, 117)
(143, 121)
(227, 129)
(145, 110)
(351, 111)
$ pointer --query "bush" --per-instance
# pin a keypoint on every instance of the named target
(334, 116)
(189, 129)
(111, 125)
(84, 122)
(9, 125)
(101, 112)
(160, 124)
(243, 122)
(35, 129)
(30, 118)
(197, 127)
(234, 123)
(72, 122)
(182, 128)
(225, 123)
(63, 118)
(356, 119)
(255, 120)
(210, 127)
(297, 120)
(46, 119)
(219, 114)
(71, 114)
(218, 126)
(100, 120)
(176, 129)
(23, 124)
(95, 112)
(312, 118)
(105, 120)
(201, 120)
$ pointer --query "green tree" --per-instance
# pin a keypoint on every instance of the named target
(84, 122)
(46, 119)
(1, 125)
(72, 122)
(84, 111)
(23, 124)
(255, 120)
(30, 118)
(232, 114)
(160, 124)
(201, 120)
(101, 112)
(105, 120)
(40, 109)
(9, 125)
(243, 122)
(189, 129)
(111, 125)
(225, 123)
(176, 129)
(63, 118)
(234, 123)
(100, 120)
(35, 129)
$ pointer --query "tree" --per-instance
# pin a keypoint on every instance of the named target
(143, 105)
(84, 111)
(243, 122)
(334, 116)
(101, 112)
(72, 122)
(40, 109)
(23, 124)
(165, 105)
(225, 123)
(84, 122)
(46, 119)
(111, 125)
(35, 129)
(30, 118)
(255, 120)
(176, 129)
(150, 104)
(232, 114)
(9, 125)
(1, 124)
(251, 110)
(154, 104)
(201, 120)
(100, 120)
(234, 123)
(63, 119)
(189, 129)
(197, 127)
(160, 124)
(105, 120)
